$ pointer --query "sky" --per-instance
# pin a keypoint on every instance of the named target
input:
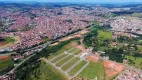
(89, 1)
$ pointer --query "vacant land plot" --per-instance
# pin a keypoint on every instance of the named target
(64, 60)
(5, 62)
(93, 71)
(77, 52)
(77, 68)
(68, 65)
(72, 50)
(58, 58)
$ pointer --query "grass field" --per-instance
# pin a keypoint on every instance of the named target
(8, 40)
(68, 65)
(77, 68)
(6, 63)
(64, 60)
(104, 35)
(137, 61)
(77, 52)
(47, 73)
(92, 71)
(72, 50)
(140, 48)
(58, 58)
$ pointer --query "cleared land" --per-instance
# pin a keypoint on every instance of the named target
(77, 68)
(64, 60)
(93, 71)
(65, 67)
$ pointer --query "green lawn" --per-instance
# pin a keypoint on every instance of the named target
(6, 63)
(92, 71)
(77, 68)
(72, 50)
(8, 40)
(140, 48)
(64, 60)
(137, 61)
(68, 65)
(47, 72)
(104, 35)
(77, 52)
(58, 58)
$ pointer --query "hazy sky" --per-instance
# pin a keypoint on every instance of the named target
(98, 1)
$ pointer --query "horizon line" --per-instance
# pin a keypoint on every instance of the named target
(74, 2)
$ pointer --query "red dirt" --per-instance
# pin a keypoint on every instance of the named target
(110, 73)
(81, 47)
(113, 65)
(93, 58)
(4, 57)
(112, 68)
(2, 43)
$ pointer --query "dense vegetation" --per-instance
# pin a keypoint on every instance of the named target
(101, 40)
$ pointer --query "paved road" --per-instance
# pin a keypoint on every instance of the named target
(57, 57)
(70, 68)
(73, 66)
(81, 69)
(62, 59)
(58, 68)
(67, 62)
(37, 47)
(21, 63)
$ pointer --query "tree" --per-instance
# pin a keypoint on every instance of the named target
(95, 44)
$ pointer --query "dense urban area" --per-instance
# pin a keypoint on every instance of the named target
(70, 41)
